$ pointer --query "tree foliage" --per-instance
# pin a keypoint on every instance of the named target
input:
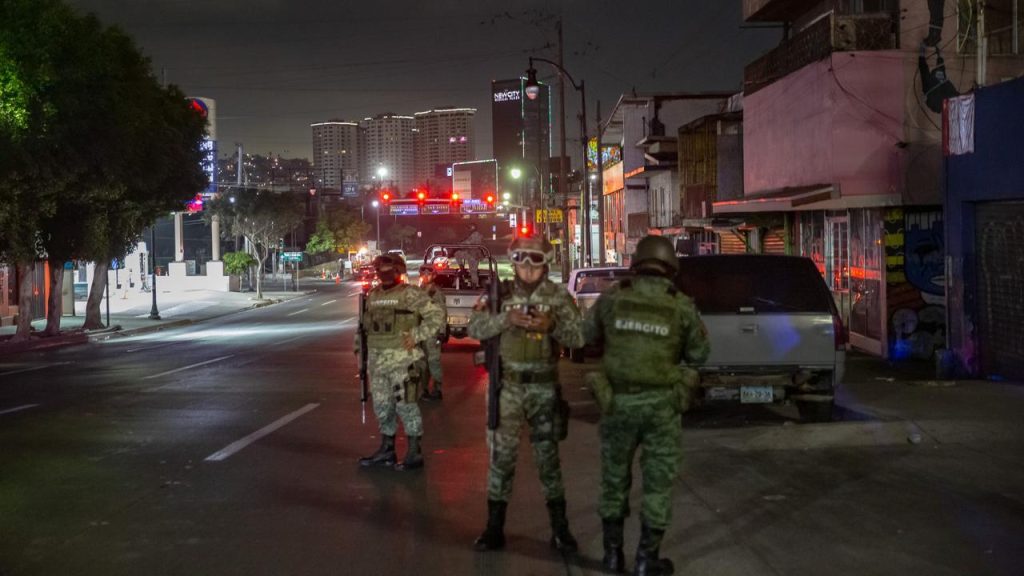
(92, 148)
(261, 217)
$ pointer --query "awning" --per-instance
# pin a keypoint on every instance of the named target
(783, 200)
(821, 197)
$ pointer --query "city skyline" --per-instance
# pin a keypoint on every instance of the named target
(275, 70)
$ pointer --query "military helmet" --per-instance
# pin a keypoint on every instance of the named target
(531, 250)
(392, 260)
(655, 252)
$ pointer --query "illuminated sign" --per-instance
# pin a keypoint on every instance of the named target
(474, 206)
(437, 207)
(506, 96)
(396, 209)
(208, 163)
(199, 107)
(610, 154)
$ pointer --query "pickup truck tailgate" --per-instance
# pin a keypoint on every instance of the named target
(769, 340)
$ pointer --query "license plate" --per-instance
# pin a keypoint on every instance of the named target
(458, 320)
(756, 395)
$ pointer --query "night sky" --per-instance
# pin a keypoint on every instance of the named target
(275, 66)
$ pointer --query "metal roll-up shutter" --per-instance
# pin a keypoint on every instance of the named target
(732, 242)
(999, 238)
(774, 241)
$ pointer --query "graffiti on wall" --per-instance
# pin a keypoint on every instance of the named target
(914, 268)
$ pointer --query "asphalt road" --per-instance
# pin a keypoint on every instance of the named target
(230, 447)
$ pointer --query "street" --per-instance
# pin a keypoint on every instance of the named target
(230, 446)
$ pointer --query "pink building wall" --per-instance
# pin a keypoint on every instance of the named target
(837, 121)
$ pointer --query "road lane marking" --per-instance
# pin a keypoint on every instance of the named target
(299, 311)
(32, 369)
(329, 302)
(187, 367)
(238, 445)
(292, 339)
(18, 408)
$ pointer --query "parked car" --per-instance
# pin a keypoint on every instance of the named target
(775, 331)
(585, 285)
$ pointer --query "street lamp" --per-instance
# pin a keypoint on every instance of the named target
(376, 204)
(532, 90)
(154, 314)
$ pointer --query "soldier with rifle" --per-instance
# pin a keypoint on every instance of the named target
(526, 322)
(398, 318)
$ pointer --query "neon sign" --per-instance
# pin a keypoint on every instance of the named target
(506, 96)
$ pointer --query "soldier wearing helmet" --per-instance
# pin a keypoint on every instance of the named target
(398, 319)
(648, 329)
(536, 319)
(432, 346)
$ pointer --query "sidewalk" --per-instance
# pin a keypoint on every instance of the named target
(129, 313)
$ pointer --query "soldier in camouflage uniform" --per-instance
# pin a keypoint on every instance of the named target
(471, 256)
(537, 318)
(398, 319)
(432, 346)
(648, 328)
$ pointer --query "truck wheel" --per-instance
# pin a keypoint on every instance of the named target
(815, 411)
(577, 355)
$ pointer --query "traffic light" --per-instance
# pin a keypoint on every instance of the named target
(489, 198)
(524, 231)
(385, 197)
(280, 244)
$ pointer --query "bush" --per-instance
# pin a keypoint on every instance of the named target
(238, 263)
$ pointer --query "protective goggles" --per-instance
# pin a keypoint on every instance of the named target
(528, 257)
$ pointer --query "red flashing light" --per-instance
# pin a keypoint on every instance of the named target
(385, 197)
(524, 230)
(455, 196)
(489, 198)
(421, 195)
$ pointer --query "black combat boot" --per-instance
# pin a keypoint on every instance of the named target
(493, 537)
(614, 560)
(561, 538)
(384, 456)
(647, 561)
(413, 456)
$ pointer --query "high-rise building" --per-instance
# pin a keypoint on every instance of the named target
(522, 139)
(390, 144)
(444, 136)
(338, 156)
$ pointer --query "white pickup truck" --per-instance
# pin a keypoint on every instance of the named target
(585, 285)
(774, 328)
(454, 279)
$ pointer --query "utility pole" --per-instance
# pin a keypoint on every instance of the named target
(982, 45)
(563, 191)
(600, 190)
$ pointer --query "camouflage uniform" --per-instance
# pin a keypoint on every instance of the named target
(432, 346)
(471, 256)
(648, 328)
(394, 371)
(530, 394)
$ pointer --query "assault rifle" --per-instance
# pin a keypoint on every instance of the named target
(364, 352)
(492, 352)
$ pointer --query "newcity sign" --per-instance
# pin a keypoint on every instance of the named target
(506, 96)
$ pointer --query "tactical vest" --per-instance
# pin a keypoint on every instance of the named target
(643, 339)
(387, 318)
(519, 346)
